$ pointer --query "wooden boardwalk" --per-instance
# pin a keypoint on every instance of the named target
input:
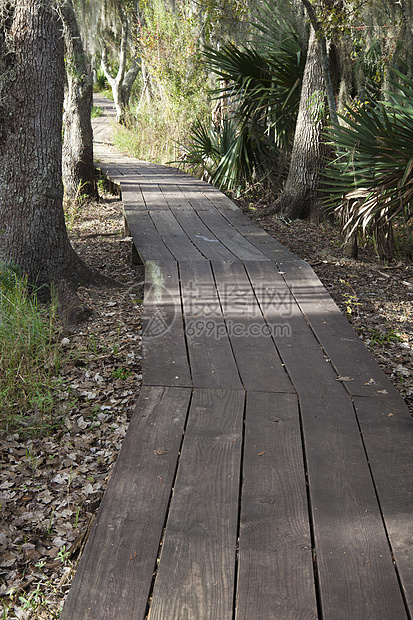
(267, 472)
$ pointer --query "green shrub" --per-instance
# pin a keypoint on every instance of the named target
(370, 183)
(173, 87)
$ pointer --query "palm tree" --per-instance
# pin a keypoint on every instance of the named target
(261, 90)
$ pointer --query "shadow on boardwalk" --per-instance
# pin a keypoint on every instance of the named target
(267, 470)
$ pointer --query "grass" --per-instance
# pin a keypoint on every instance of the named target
(155, 130)
(30, 358)
(96, 111)
(148, 141)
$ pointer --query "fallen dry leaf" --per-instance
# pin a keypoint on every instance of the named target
(160, 451)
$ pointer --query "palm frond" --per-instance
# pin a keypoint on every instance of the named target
(371, 181)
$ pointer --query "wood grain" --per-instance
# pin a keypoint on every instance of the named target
(347, 352)
(164, 355)
(306, 363)
(275, 565)
(387, 431)
(356, 575)
(202, 237)
(114, 576)
(211, 357)
(174, 237)
(146, 238)
(230, 237)
(256, 355)
(196, 573)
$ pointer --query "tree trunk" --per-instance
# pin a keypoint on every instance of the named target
(121, 85)
(32, 221)
(300, 197)
(78, 166)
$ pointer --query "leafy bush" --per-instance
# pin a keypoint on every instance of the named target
(101, 84)
(227, 155)
(173, 92)
(370, 183)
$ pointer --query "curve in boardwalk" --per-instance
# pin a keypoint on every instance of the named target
(267, 470)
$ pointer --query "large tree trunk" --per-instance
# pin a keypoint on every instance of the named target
(78, 166)
(31, 190)
(300, 196)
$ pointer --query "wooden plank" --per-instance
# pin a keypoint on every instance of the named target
(275, 566)
(222, 202)
(230, 237)
(196, 574)
(133, 202)
(387, 431)
(197, 198)
(347, 352)
(202, 237)
(164, 355)
(258, 237)
(307, 365)
(174, 196)
(115, 573)
(154, 199)
(257, 358)
(146, 238)
(174, 237)
(356, 575)
(210, 353)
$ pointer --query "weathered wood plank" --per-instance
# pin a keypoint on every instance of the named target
(164, 355)
(347, 352)
(257, 358)
(258, 237)
(146, 238)
(196, 573)
(306, 363)
(174, 237)
(198, 201)
(153, 197)
(202, 237)
(387, 431)
(230, 237)
(113, 580)
(356, 576)
(276, 578)
(219, 199)
(174, 196)
(210, 353)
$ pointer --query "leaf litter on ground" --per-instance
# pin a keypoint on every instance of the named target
(51, 484)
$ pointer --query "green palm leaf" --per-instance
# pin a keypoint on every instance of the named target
(371, 181)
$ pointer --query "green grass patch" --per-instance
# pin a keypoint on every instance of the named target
(155, 131)
(96, 111)
(30, 358)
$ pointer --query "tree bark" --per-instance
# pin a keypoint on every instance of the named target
(121, 85)
(78, 166)
(324, 60)
(300, 196)
(33, 232)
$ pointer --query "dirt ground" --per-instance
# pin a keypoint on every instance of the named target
(51, 486)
